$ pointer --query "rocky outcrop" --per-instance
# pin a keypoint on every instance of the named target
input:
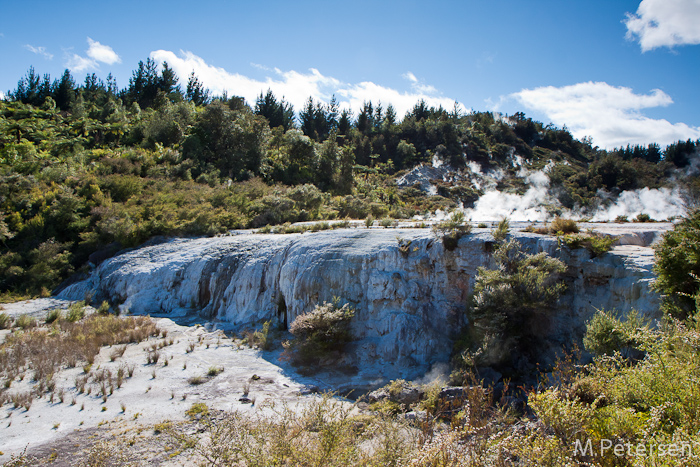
(409, 295)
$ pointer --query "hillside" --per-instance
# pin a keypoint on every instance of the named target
(88, 169)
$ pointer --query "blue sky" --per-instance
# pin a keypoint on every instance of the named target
(618, 71)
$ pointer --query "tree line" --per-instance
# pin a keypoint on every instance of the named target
(85, 167)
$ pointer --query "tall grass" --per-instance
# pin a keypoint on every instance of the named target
(43, 352)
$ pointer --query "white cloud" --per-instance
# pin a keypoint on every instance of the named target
(96, 52)
(39, 51)
(77, 63)
(410, 76)
(665, 23)
(297, 87)
(102, 53)
(609, 114)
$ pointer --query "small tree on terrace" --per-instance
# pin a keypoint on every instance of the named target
(678, 268)
(512, 303)
(320, 333)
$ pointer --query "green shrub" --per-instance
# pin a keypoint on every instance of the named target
(451, 230)
(565, 226)
(104, 308)
(596, 243)
(677, 268)
(621, 219)
(320, 332)
(198, 408)
(511, 305)
(606, 333)
(501, 231)
(25, 321)
(5, 320)
(54, 315)
(76, 311)
(262, 337)
(387, 222)
(215, 371)
(642, 217)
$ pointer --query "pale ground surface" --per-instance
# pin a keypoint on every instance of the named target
(131, 411)
(69, 429)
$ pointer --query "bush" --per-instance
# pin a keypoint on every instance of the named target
(76, 311)
(451, 230)
(25, 321)
(104, 308)
(54, 315)
(262, 337)
(320, 333)
(511, 305)
(195, 380)
(5, 320)
(387, 222)
(215, 371)
(501, 231)
(565, 226)
(677, 268)
(198, 408)
(596, 243)
(606, 333)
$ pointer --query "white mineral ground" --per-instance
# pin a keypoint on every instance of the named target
(147, 400)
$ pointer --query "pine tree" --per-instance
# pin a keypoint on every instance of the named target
(196, 92)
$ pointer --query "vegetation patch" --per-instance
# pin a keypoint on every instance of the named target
(43, 352)
(321, 334)
(451, 230)
(677, 268)
(596, 243)
(510, 309)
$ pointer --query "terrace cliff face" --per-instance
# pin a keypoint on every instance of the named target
(409, 304)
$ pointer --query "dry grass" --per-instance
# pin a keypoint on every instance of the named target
(41, 352)
(559, 226)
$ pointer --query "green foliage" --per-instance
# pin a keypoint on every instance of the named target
(607, 334)
(76, 311)
(214, 371)
(320, 333)
(5, 320)
(198, 408)
(54, 315)
(262, 337)
(501, 231)
(563, 226)
(87, 167)
(647, 402)
(596, 243)
(104, 308)
(451, 230)
(25, 321)
(677, 268)
(511, 305)
(387, 222)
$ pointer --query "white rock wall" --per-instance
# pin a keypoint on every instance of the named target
(408, 306)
